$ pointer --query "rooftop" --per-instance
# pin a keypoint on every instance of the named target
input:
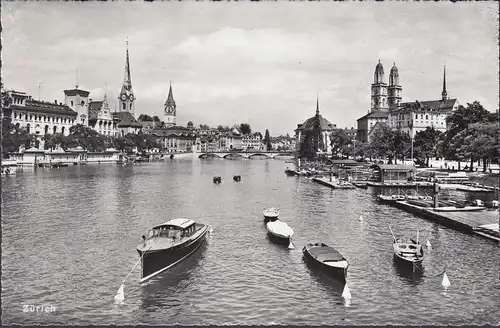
(179, 223)
(45, 107)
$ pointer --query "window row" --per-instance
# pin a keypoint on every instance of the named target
(54, 119)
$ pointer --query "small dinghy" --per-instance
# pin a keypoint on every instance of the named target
(280, 232)
(407, 250)
(326, 258)
(271, 213)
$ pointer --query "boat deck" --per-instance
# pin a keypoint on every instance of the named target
(158, 243)
(483, 223)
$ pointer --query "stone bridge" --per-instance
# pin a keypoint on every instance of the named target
(245, 154)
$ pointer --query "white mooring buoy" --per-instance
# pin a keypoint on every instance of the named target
(346, 293)
(428, 244)
(120, 295)
(211, 230)
(290, 245)
(445, 282)
(361, 218)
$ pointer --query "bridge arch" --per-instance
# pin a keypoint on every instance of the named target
(260, 154)
(232, 155)
(209, 155)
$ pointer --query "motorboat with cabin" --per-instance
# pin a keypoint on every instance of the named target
(407, 250)
(326, 258)
(168, 244)
(271, 213)
(280, 232)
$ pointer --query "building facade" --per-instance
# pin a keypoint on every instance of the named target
(411, 117)
(78, 100)
(176, 139)
(101, 118)
(309, 125)
(252, 141)
(38, 117)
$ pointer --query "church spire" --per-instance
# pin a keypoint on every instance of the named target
(317, 105)
(170, 99)
(127, 81)
(444, 94)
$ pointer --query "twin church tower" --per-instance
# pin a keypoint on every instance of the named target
(388, 97)
(126, 98)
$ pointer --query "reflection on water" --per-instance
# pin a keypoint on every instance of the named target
(69, 238)
(411, 275)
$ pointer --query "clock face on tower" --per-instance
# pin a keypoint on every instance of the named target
(123, 97)
(169, 110)
(131, 98)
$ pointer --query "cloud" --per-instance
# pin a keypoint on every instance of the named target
(263, 64)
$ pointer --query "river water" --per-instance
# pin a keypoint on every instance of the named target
(69, 238)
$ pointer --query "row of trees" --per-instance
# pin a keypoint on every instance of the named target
(472, 136)
(14, 137)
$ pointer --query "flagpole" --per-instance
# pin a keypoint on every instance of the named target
(411, 132)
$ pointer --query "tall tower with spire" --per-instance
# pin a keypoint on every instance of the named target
(126, 98)
(394, 91)
(379, 90)
(444, 93)
(170, 108)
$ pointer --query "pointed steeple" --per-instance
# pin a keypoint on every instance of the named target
(105, 105)
(127, 80)
(317, 105)
(444, 94)
(170, 99)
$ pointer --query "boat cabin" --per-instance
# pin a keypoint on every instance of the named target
(175, 229)
(393, 173)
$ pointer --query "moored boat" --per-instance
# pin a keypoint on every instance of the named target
(326, 258)
(407, 250)
(168, 244)
(271, 213)
(280, 232)
(362, 185)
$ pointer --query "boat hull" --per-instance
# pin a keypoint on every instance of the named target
(155, 262)
(407, 262)
(337, 273)
(280, 240)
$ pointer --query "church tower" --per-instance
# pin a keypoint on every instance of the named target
(78, 100)
(444, 94)
(170, 109)
(394, 91)
(379, 90)
(126, 98)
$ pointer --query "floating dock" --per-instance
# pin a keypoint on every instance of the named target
(483, 223)
(333, 184)
(424, 184)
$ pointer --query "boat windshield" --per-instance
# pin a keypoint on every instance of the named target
(171, 232)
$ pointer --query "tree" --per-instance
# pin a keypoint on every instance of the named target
(340, 143)
(85, 137)
(267, 141)
(382, 142)
(459, 122)
(145, 117)
(245, 128)
(156, 118)
(13, 137)
(426, 143)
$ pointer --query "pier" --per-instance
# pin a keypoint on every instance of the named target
(483, 223)
(333, 184)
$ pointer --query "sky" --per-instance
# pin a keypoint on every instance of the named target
(258, 63)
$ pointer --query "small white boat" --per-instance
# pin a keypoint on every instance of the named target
(271, 213)
(280, 232)
(407, 250)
